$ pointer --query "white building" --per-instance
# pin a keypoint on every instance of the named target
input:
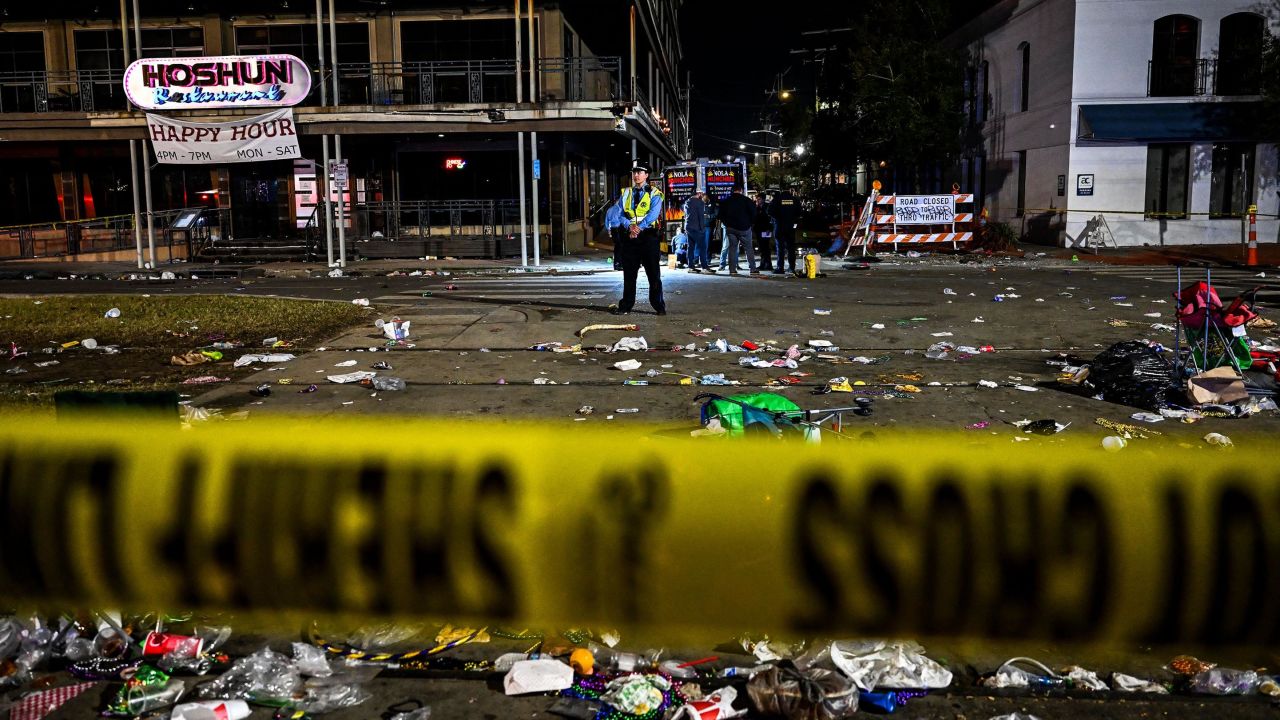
(1143, 112)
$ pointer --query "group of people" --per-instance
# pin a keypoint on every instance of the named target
(773, 222)
(635, 222)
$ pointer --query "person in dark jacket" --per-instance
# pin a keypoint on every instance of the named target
(698, 230)
(738, 214)
(764, 232)
(785, 210)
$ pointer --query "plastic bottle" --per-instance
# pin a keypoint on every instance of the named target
(145, 699)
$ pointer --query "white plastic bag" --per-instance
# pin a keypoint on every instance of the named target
(898, 665)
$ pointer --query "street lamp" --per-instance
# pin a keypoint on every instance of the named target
(741, 146)
(799, 150)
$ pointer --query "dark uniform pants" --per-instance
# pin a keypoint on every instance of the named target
(635, 253)
(786, 247)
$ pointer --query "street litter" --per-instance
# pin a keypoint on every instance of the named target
(627, 365)
(353, 377)
(362, 302)
(821, 311)
(263, 358)
(112, 313)
(345, 363)
(1218, 440)
(1128, 683)
(384, 382)
(205, 380)
(987, 384)
(633, 344)
(879, 664)
(1009, 675)
(592, 328)
(1147, 417)
(1113, 443)
(1041, 427)
(396, 329)
(784, 690)
(877, 326)
(211, 710)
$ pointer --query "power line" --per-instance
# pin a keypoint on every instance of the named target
(737, 142)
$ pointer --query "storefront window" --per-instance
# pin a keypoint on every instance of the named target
(1167, 167)
(1231, 190)
(172, 42)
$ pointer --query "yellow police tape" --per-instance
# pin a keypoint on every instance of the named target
(539, 525)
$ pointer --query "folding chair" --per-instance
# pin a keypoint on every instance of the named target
(1215, 334)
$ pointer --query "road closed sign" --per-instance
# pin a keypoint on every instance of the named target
(925, 209)
(272, 136)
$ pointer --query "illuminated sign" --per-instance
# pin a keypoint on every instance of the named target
(272, 136)
(217, 82)
(454, 163)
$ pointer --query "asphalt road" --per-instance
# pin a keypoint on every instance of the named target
(470, 336)
(469, 358)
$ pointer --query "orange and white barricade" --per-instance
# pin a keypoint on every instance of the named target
(908, 215)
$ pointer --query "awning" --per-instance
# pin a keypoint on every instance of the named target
(1171, 122)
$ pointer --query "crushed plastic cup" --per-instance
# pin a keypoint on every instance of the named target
(1218, 440)
(211, 710)
(387, 383)
(362, 302)
(112, 313)
(89, 343)
(1114, 443)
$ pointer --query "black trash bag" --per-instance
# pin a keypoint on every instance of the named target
(815, 694)
(1132, 373)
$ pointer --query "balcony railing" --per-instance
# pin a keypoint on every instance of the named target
(64, 90)
(380, 83)
(1177, 79)
(475, 81)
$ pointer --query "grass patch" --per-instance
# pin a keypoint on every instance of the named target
(148, 332)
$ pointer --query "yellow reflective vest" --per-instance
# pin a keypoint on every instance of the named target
(637, 211)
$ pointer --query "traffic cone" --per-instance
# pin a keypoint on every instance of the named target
(1251, 258)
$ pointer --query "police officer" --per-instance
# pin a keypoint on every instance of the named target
(785, 210)
(641, 208)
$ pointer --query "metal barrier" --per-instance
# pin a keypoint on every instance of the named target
(458, 228)
(104, 234)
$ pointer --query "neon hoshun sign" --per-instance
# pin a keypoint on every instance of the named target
(217, 82)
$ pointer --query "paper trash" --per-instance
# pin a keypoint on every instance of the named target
(537, 676)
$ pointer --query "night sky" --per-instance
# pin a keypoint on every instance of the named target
(734, 55)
